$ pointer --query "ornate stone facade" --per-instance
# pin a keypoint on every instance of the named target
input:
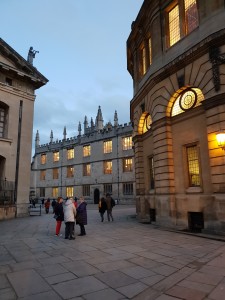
(91, 164)
(176, 57)
(18, 82)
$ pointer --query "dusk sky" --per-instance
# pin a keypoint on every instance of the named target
(82, 52)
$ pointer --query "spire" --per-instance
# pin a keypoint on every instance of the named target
(92, 124)
(64, 133)
(37, 139)
(51, 136)
(115, 119)
(79, 128)
(85, 124)
(99, 119)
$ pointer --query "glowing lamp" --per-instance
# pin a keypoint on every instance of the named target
(221, 139)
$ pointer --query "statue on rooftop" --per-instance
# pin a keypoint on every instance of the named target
(31, 55)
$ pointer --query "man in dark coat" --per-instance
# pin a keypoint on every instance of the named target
(81, 217)
(110, 202)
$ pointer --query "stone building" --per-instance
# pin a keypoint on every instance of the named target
(176, 57)
(94, 163)
(18, 82)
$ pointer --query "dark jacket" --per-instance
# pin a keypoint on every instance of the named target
(82, 214)
(59, 211)
(102, 206)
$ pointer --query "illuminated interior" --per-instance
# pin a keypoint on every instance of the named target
(144, 123)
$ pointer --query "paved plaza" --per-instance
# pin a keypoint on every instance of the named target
(115, 260)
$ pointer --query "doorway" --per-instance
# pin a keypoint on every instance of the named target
(96, 196)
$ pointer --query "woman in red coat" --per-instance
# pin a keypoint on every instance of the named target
(81, 217)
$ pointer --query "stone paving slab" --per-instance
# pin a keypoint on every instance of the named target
(114, 261)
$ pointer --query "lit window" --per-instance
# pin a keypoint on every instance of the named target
(107, 146)
(143, 60)
(70, 171)
(127, 165)
(189, 99)
(127, 143)
(107, 166)
(42, 174)
(56, 156)
(55, 192)
(182, 19)
(70, 153)
(43, 159)
(86, 169)
(174, 26)
(69, 191)
(193, 165)
(191, 15)
(107, 189)
(128, 188)
(144, 123)
(55, 173)
(150, 50)
(86, 150)
(86, 190)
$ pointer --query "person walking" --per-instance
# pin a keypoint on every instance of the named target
(53, 205)
(110, 203)
(81, 218)
(47, 205)
(102, 207)
(69, 219)
(59, 215)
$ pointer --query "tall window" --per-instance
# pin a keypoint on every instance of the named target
(55, 173)
(70, 153)
(55, 192)
(143, 60)
(87, 169)
(127, 164)
(193, 165)
(107, 188)
(107, 167)
(42, 192)
(86, 150)
(3, 115)
(86, 190)
(43, 159)
(128, 188)
(56, 156)
(127, 143)
(151, 173)
(69, 191)
(182, 19)
(70, 171)
(107, 146)
(42, 174)
(150, 50)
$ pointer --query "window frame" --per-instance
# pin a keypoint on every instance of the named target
(128, 188)
(87, 169)
(56, 156)
(70, 153)
(127, 143)
(126, 166)
(107, 188)
(42, 175)
(86, 150)
(86, 190)
(55, 173)
(4, 108)
(43, 159)
(69, 191)
(107, 167)
(55, 192)
(70, 171)
(107, 146)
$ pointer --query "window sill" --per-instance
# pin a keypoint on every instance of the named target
(194, 190)
(5, 140)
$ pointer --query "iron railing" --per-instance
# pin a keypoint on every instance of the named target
(7, 192)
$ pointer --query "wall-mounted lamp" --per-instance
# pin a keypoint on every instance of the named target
(221, 139)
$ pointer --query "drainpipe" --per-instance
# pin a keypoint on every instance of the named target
(18, 150)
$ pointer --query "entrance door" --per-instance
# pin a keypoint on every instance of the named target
(96, 196)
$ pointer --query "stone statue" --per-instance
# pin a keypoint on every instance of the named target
(31, 55)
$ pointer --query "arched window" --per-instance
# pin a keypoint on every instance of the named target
(188, 99)
(144, 123)
(3, 119)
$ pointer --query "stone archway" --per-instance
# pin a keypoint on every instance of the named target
(96, 196)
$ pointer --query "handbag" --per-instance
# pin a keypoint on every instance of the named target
(55, 216)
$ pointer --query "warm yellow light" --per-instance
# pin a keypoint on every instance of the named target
(221, 139)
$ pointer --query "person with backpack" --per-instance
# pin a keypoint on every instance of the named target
(110, 203)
